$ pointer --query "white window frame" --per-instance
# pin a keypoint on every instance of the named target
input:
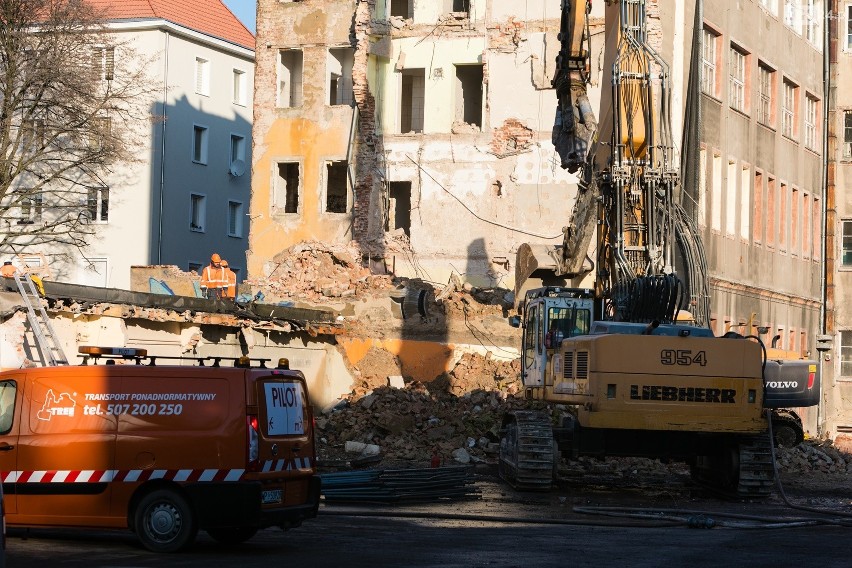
(202, 76)
(766, 76)
(847, 134)
(788, 109)
(845, 362)
(240, 87)
(236, 213)
(771, 6)
(103, 61)
(197, 212)
(737, 78)
(791, 19)
(811, 118)
(709, 53)
(98, 215)
(200, 146)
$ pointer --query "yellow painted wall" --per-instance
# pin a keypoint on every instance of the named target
(312, 144)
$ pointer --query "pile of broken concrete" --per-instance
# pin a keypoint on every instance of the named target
(316, 272)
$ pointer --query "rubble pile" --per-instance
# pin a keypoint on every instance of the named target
(474, 372)
(373, 371)
(814, 456)
(314, 272)
(419, 425)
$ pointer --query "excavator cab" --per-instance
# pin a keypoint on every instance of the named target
(550, 315)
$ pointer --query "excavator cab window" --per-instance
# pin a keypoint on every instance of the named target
(566, 322)
(531, 335)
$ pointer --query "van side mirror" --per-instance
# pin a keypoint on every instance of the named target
(515, 321)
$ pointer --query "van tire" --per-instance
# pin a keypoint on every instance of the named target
(164, 521)
(232, 535)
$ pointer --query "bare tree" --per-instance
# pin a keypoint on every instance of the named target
(71, 97)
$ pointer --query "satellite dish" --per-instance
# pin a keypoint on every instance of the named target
(238, 168)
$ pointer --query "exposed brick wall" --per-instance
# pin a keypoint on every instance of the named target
(512, 137)
(369, 146)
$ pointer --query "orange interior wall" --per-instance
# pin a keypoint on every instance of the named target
(421, 360)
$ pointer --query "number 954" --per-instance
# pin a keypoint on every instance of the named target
(682, 357)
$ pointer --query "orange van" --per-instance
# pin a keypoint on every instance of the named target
(164, 450)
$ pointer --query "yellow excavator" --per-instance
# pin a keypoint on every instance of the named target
(642, 381)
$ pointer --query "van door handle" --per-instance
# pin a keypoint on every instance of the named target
(4, 447)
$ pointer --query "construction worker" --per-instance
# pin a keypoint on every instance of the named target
(231, 278)
(8, 269)
(214, 279)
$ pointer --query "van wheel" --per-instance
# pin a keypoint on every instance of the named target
(232, 535)
(164, 521)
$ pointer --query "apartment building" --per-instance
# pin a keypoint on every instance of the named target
(761, 169)
(188, 193)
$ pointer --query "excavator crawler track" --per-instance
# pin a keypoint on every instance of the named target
(744, 471)
(527, 454)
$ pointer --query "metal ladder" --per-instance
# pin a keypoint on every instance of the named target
(50, 351)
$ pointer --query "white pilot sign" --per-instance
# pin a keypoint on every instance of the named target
(284, 413)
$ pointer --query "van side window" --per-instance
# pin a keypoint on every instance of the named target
(7, 405)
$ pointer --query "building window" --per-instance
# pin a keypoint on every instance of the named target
(792, 17)
(457, 6)
(765, 89)
(811, 122)
(770, 212)
(737, 85)
(286, 197)
(197, 212)
(847, 134)
(813, 29)
(757, 226)
(240, 87)
(716, 196)
(816, 217)
(238, 155)
(340, 62)
(199, 144)
(846, 244)
(97, 204)
(771, 5)
(806, 229)
(202, 76)
(401, 8)
(745, 201)
(100, 131)
(469, 94)
(31, 206)
(782, 217)
(194, 267)
(412, 101)
(788, 109)
(290, 78)
(235, 219)
(399, 207)
(846, 353)
(731, 204)
(103, 62)
(709, 63)
(795, 222)
(336, 187)
(32, 135)
(849, 26)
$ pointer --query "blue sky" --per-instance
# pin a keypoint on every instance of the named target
(244, 10)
